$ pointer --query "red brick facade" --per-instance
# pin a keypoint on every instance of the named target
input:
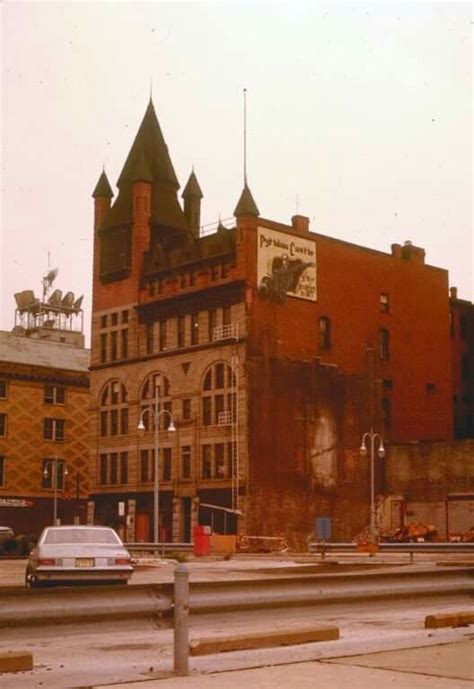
(270, 385)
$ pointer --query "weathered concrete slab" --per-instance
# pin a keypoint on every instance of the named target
(278, 637)
(15, 661)
(451, 619)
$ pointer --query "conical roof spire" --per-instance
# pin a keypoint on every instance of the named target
(102, 188)
(192, 188)
(149, 144)
(142, 172)
(246, 204)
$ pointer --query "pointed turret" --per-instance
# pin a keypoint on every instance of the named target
(192, 196)
(149, 161)
(102, 189)
(102, 196)
(246, 204)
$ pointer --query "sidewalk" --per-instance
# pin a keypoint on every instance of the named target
(447, 666)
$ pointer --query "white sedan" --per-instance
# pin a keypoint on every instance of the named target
(75, 554)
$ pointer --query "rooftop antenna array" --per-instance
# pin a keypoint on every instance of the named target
(52, 312)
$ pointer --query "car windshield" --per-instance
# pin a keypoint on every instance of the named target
(81, 536)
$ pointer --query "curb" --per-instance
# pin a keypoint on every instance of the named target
(280, 637)
(16, 661)
(451, 619)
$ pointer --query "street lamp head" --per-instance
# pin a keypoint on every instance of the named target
(381, 450)
(45, 471)
(363, 450)
(65, 472)
(141, 425)
(171, 427)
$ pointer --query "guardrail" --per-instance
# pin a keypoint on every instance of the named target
(159, 548)
(324, 547)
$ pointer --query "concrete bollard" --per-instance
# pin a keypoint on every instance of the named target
(181, 621)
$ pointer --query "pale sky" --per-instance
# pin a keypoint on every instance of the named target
(359, 116)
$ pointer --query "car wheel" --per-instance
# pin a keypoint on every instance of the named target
(30, 580)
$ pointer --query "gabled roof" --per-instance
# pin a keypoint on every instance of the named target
(192, 188)
(246, 204)
(102, 188)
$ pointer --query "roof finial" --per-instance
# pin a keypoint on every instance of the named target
(245, 137)
(151, 89)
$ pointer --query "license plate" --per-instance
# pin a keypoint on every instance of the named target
(85, 562)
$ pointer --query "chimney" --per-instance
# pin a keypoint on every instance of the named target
(300, 224)
(413, 253)
(453, 292)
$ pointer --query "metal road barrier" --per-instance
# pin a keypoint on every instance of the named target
(324, 547)
(31, 607)
(159, 548)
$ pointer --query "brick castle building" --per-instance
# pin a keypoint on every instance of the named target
(270, 347)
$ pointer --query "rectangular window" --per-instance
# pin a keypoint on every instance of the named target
(183, 280)
(388, 383)
(384, 344)
(54, 429)
(3, 463)
(192, 278)
(103, 347)
(194, 328)
(224, 270)
(103, 423)
(3, 389)
(114, 318)
(113, 345)
(214, 272)
(124, 317)
(431, 388)
(186, 410)
(3, 425)
(103, 470)
(220, 371)
(186, 461)
(149, 338)
(53, 474)
(124, 421)
(124, 344)
(144, 467)
(219, 455)
(226, 315)
(206, 411)
(207, 461)
(324, 333)
(384, 303)
(163, 337)
(54, 394)
(181, 331)
(218, 407)
(113, 468)
(167, 464)
(114, 422)
(124, 468)
(212, 314)
(103, 321)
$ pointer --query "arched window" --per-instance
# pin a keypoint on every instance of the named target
(384, 343)
(324, 333)
(156, 388)
(218, 395)
(114, 409)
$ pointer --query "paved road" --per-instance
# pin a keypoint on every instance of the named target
(95, 655)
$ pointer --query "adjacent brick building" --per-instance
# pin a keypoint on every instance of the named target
(44, 407)
(271, 347)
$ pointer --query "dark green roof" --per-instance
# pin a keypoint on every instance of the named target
(102, 188)
(148, 161)
(192, 188)
(142, 172)
(149, 144)
(246, 204)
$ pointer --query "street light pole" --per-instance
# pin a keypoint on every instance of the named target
(156, 487)
(54, 478)
(372, 437)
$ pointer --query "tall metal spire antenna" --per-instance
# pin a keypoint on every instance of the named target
(151, 89)
(245, 137)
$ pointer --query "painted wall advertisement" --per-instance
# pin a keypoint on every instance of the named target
(286, 265)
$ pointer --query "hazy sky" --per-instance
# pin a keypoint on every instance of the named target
(359, 115)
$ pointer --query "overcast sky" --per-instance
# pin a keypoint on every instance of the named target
(359, 116)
